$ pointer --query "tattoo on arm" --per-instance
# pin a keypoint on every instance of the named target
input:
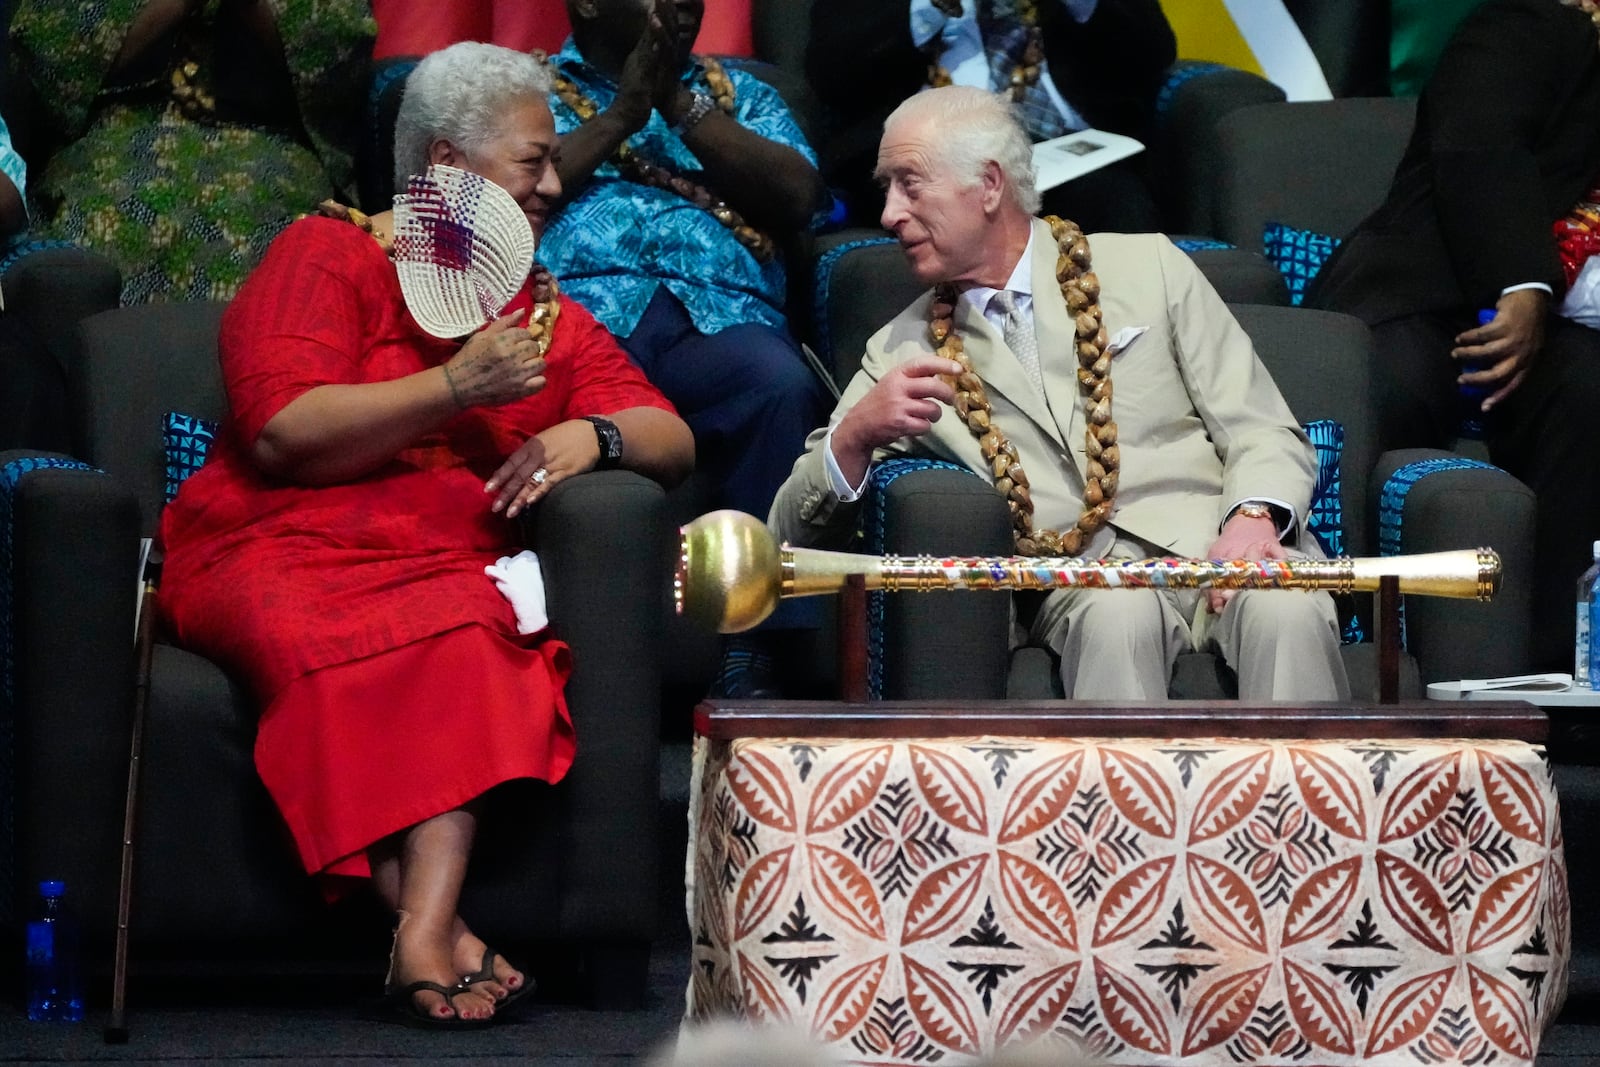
(455, 394)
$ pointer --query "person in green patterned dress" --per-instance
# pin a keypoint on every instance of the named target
(188, 133)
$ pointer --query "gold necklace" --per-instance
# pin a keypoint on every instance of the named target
(1080, 288)
(644, 172)
(1023, 75)
(546, 293)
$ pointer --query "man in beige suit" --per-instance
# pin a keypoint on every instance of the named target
(1212, 463)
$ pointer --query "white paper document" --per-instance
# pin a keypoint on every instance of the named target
(1549, 690)
(1062, 159)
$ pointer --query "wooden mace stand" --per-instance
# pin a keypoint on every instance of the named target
(854, 715)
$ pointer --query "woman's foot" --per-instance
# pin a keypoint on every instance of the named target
(483, 969)
(420, 956)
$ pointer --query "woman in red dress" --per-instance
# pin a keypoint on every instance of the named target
(332, 550)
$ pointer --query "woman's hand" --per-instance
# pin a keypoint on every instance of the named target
(498, 365)
(565, 449)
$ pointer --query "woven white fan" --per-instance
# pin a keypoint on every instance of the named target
(462, 247)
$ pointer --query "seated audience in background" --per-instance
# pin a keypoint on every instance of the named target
(407, 28)
(13, 186)
(331, 553)
(682, 178)
(1495, 208)
(738, 1043)
(1198, 456)
(1066, 65)
(184, 136)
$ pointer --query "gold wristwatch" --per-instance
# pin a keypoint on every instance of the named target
(1256, 509)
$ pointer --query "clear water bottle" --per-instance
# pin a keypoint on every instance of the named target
(54, 990)
(1585, 670)
(1474, 424)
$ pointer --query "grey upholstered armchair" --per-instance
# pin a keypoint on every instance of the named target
(569, 865)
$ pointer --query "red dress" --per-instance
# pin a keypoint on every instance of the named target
(394, 683)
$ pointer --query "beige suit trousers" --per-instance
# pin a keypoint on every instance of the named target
(1118, 644)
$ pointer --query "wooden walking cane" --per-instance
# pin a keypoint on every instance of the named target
(116, 1032)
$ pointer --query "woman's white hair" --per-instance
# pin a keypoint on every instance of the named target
(459, 94)
(976, 127)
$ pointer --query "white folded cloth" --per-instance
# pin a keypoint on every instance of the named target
(520, 581)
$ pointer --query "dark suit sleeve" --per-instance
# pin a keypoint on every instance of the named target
(1110, 67)
(861, 54)
(1502, 80)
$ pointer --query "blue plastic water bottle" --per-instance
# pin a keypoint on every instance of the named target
(1594, 625)
(54, 992)
(1474, 425)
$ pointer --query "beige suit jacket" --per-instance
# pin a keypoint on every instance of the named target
(1200, 423)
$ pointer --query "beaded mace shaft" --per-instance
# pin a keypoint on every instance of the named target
(732, 572)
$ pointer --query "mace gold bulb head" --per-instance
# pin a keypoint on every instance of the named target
(729, 572)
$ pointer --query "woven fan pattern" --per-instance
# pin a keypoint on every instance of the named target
(462, 248)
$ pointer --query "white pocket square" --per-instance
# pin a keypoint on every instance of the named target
(1124, 337)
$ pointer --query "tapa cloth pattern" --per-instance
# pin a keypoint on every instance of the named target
(1152, 901)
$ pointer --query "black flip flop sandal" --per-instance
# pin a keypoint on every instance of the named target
(402, 1000)
(486, 974)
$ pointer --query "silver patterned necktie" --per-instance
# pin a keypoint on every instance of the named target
(1019, 337)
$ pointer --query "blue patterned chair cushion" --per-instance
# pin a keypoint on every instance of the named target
(1298, 254)
(186, 440)
(1326, 519)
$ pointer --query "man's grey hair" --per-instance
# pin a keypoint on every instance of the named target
(459, 94)
(976, 127)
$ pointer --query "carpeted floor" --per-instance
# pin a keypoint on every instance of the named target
(281, 1026)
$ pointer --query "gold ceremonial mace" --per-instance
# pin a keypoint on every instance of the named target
(732, 572)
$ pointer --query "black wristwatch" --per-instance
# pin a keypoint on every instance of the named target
(610, 442)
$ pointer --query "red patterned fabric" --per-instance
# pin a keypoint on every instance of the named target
(410, 28)
(1578, 235)
(1154, 902)
(359, 613)
(273, 580)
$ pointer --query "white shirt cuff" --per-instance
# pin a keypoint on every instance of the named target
(1527, 285)
(837, 483)
(1283, 531)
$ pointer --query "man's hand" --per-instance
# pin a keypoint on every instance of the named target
(649, 76)
(1242, 537)
(499, 364)
(1505, 346)
(904, 403)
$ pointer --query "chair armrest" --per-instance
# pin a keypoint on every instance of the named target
(69, 538)
(605, 549)
(945, 645)
(1428, 500)
(1194, 99)
(52, 287)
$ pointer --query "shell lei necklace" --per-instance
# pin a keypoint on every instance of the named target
(646, 173)
(1080, 288)
(1024, 74)
(541, 323)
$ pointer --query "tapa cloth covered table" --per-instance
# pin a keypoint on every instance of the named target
(1162, 901)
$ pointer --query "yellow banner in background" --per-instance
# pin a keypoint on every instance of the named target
(1259, 36)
